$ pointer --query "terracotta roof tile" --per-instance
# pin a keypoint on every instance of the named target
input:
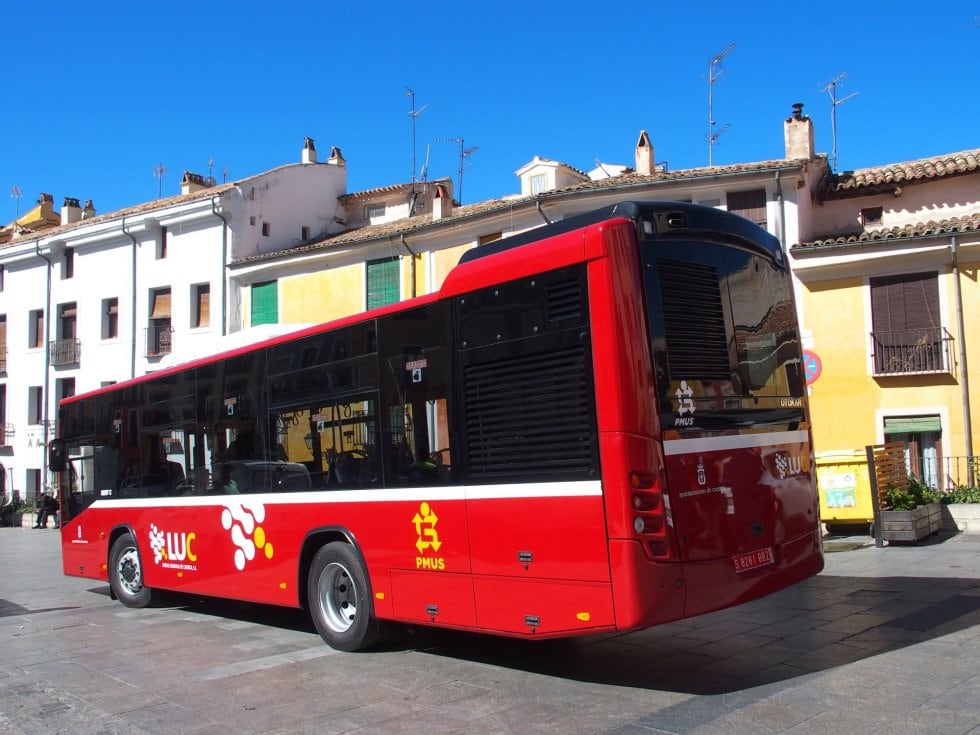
(932, 228)
(885, 178)
(626, 181)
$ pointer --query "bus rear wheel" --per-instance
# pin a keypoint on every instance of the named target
(340, 600)
(126, 573)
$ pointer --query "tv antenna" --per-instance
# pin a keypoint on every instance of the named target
(831, 89)
(714, 73)
(425, 166)
(159, 171)
(464, 153)
(414, 114)
(210, 180)
(16, 193)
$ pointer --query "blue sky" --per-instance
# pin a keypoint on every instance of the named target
(95, 95)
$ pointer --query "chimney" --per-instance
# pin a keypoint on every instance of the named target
(47, 205)
(644, 155)
(309, 151)
(442, 203)
(191, 183)
(88, 211)
(336, 157)
(71, 211)
(798, 132)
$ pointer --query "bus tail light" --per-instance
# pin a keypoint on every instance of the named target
(650, 521)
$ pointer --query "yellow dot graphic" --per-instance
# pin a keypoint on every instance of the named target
(259, 536)
(268, 551)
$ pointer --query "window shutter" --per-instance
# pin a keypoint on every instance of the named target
(749, 204)
(161, 304)
(265, 303)
(382, 282)
(905, 302)
(203, 305)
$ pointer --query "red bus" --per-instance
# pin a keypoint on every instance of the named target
(595, 426)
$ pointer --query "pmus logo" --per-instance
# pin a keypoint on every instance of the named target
(173, 549)
(428, 542)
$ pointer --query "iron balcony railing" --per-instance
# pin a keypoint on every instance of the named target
(945, 473)
(6, 434)
(912, 351)
(159, 340)
(65, 352)
(3, 359)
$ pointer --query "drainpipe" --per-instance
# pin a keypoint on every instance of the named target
(132, 308)
(965, 373)
(782, 211)
(537, 206)
(224, 266)
(47, 367)
(411, 256)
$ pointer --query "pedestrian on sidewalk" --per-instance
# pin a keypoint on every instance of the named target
(45, 506)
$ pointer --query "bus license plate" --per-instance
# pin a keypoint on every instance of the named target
(753, 560)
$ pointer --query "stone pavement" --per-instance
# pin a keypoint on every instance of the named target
(884, 641)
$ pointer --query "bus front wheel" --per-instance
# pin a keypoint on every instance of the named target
(340, 600)
(126, 573)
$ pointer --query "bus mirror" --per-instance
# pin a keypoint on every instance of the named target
(56, 455)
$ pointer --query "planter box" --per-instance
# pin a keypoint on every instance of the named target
(911, 525)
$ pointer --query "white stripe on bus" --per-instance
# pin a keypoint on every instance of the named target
(578, 489)
(734, 441)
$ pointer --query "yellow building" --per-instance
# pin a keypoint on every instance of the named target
(888, 300)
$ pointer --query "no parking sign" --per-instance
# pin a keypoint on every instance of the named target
(812, 367)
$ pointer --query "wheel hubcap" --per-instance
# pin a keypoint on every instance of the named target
(337, 598)
(130, 576)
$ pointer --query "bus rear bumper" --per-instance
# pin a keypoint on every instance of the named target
(647, 593)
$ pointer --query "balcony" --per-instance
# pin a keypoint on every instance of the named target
(912, 352)
(65, 352)
(159, 340)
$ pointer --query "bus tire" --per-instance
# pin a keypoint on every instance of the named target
(126, 573)
(340, 598)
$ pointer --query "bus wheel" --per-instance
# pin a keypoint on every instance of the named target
(126, 573)
(340, 603)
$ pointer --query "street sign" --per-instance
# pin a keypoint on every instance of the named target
(812, 367)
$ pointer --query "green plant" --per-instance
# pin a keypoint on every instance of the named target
(962, 494)
(908, 499)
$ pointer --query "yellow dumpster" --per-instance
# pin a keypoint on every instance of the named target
(844, 486)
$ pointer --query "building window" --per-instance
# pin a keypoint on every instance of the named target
(305, 233)
(749, 204)
(374, 211)
(906, 333)
(251, 220)
(35, 404)
(3, 344)
(266, 229)
(110, 318)
(162, 243)
(35, 328)
(871, 216)
(1, 277)
(65, 388)
(201, 307)
(64, 350)
(922, 437)
(68, 265)
(159, 331)
(32, 484)
(539, 183)
(265, 303)
(382, 282)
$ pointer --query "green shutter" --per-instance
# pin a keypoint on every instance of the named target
(382, 282)
(912, 424)
(265, 303)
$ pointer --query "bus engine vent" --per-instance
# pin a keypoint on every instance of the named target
(564, 300)
(694, 321)
(530, 416)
